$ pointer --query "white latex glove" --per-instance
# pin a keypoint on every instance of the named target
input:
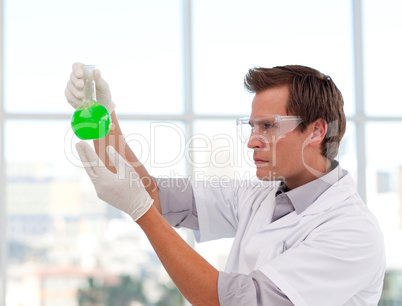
(75, 89)
(123, 190)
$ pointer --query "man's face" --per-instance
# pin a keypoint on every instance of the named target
(281, 159)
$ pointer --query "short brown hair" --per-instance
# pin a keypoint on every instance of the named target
(312, 95)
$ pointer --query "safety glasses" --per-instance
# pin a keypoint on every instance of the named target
(266, 129)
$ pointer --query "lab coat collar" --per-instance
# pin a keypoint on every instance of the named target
(333, 195)
(303, 196)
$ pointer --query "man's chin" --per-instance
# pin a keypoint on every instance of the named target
(261, 164)
(268, 175)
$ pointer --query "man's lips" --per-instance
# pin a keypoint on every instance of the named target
(259, 161)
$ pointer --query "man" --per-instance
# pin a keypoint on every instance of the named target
(312, 241)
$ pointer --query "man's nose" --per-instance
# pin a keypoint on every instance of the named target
(254, 142)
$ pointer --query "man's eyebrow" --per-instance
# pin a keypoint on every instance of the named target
(266, 119)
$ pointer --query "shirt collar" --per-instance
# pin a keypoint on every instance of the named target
(303, 196)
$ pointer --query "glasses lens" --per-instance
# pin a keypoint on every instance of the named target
(288, 125)
(266, 129)
(261, 128)
(244, 129)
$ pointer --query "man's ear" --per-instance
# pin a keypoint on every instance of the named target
(320, 128)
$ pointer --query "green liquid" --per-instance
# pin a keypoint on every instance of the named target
(91, 121)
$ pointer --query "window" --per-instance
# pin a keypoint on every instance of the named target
(175, 69)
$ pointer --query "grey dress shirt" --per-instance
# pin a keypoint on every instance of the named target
(179, 209)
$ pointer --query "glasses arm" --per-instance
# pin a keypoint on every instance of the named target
(286, 118)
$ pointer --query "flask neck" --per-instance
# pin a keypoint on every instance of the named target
(89, 90)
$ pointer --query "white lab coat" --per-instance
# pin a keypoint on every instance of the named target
(330, 254)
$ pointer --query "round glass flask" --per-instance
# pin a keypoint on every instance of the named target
(90, 120)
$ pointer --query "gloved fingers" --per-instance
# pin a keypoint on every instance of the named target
(118, 162)
(77, 75)
(73, 95)
(123, 168)
(77, 81)
(103, 92)
(92, 164)
(76, 90)
(101, 86)
(97, 74)
(77, 70)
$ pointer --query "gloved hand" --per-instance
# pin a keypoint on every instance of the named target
(123, 190)
(74, 91)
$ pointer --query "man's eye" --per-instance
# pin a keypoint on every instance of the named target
(268, 126)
